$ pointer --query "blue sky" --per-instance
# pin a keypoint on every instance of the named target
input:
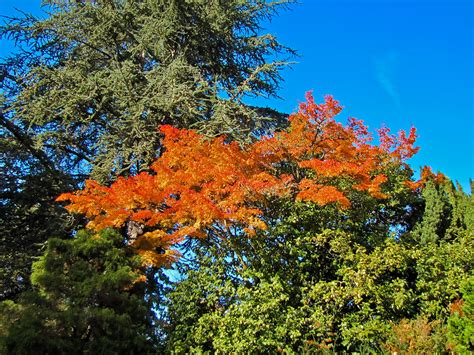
(389, 62)
(398, 63)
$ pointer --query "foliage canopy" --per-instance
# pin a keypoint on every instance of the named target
(89, 83)
(201, 186)
(295, 235)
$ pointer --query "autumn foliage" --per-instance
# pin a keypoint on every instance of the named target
(200, 185)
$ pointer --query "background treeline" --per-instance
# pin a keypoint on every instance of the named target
(82, 98)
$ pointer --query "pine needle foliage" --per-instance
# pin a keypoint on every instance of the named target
(94, 79)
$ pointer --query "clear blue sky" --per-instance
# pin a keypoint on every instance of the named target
(393, 62)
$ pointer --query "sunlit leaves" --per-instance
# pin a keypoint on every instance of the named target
(201, 185)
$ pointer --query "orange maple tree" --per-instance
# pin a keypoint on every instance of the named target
(199, 185)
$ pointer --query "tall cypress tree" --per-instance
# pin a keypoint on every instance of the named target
(446, 236)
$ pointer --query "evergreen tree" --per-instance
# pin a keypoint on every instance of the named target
(445, 238)
(88, 297)
(28, 216)
(94, 79)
